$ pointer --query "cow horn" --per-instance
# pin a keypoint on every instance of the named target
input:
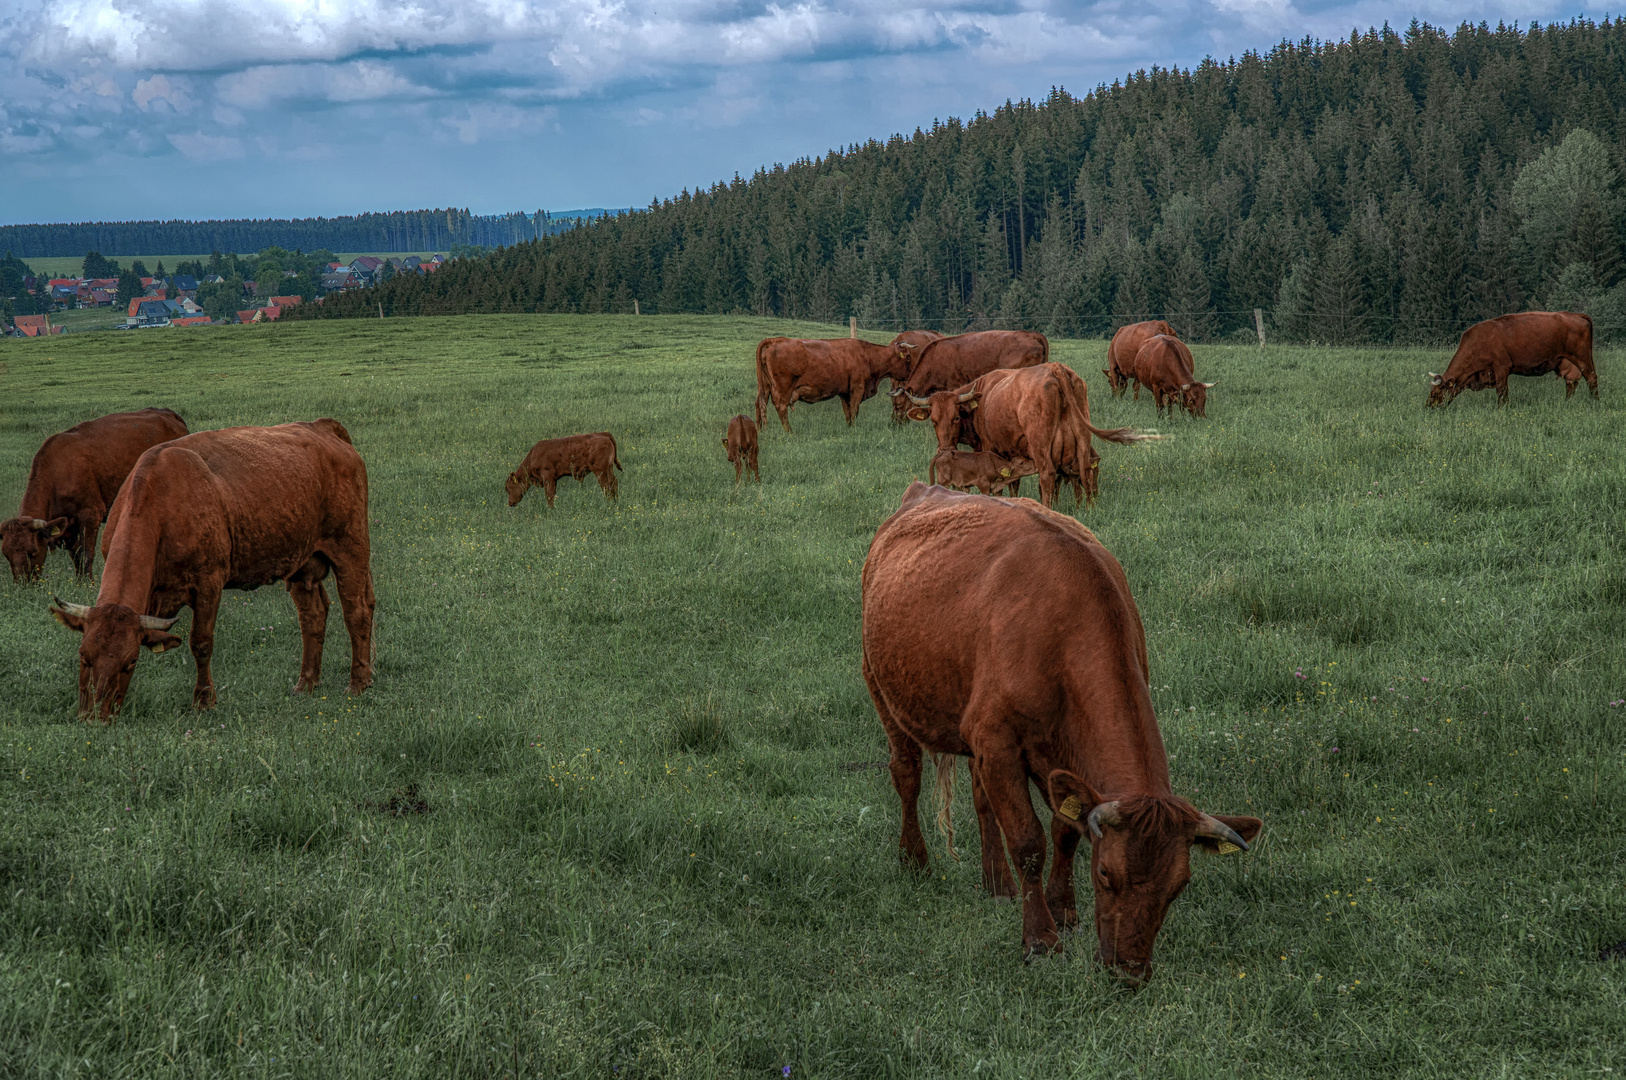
(77, 610)
(967, 396)
(38, 524)
(1433, 378)
(1215, 829)
(1185, 386)
(153, 622)
(1210, 385)
(1104, 814)
(918, 400)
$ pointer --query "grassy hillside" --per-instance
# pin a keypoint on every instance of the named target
(661, 839)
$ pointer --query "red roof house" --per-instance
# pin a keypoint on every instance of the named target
(35, 325)
(286, 301)
(190, 320)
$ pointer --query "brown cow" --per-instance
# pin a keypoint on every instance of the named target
(918, 338)
(231, 509)
(1529, 343)
(986, 471)
(1041, 413)
(956, 361)
(1121, 353)
(1164, 366)
(1000, 631)
(741, 442)
(815, 369)
(573, 455)
(73, 481)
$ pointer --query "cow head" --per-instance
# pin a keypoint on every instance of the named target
(1139, 862)
(1441, 391)
(519, 482)
(1018, 467)
(111, 639)
(949, 412)
(24, 542)
(1194, 396)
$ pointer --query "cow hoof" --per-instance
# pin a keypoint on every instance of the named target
(1038, 950)
(355, 688)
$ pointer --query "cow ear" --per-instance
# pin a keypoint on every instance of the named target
(1070, 796)
(158, 641)
(1246, 827)
(56, 527)
(71, 621)
(919, 414)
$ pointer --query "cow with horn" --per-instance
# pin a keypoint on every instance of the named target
(74, 479)
(949, 362)
(1000, 631)
(230, 509)
(1039, 413)
(1530, 343)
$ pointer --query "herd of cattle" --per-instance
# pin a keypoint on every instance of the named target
(1045, 679)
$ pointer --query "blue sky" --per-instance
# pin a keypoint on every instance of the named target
(119, 109)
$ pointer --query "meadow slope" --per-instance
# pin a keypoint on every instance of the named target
(660, 839)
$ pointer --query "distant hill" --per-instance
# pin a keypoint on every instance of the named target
(1389, 187)
(401, 230)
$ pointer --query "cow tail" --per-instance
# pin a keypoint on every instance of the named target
(615, 455)
(1044, 343)
(945, 799)
(762, 381)
(1123, 435)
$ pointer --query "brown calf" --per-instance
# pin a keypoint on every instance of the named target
(984, 470)
(741, 442)
(574, 455)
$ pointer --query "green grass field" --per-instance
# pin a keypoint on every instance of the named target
(661, 840)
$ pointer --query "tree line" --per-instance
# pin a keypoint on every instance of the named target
(404, 230)
(1388, 187)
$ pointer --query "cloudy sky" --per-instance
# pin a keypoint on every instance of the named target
(118, 109)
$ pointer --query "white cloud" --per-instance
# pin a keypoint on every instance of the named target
(161, 88)
(200, 147)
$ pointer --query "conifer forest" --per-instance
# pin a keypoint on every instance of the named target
(1391, 187)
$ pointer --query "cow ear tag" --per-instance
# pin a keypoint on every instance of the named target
(1226, 847)
(972, 404)
(1004, 472)
(1070, 808)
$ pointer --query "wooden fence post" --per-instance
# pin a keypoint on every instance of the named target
(635, 310)
(381, 309)
(852, 326)
(1259, 325)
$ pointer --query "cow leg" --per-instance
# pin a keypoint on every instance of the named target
(310, 601)
(905, 768)
(83, 549)
(550, 486)
(353, 577)
(1058, 894)
(848, 407)
(1006, 782)
(606, 480)
(996, 869)
(1502, 371)
(787, 395)
(205, 606)
(756, 472)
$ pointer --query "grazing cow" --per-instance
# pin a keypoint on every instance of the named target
(1040, 413)
(741, 442)
(814, 369)
(574, 455)
(1121, 353)
(1163, 365)
(1529, 343)
(918, 338)
(956, 361)
(230, 509)
(986, 471)
(1004, 632)
(74, 479)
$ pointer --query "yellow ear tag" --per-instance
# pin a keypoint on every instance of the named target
(971, 404)
(1226, 847)
(1004, 472)
(1070, 808)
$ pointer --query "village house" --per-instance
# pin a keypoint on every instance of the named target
(34, 325)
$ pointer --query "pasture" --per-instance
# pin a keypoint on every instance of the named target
(616, 804)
